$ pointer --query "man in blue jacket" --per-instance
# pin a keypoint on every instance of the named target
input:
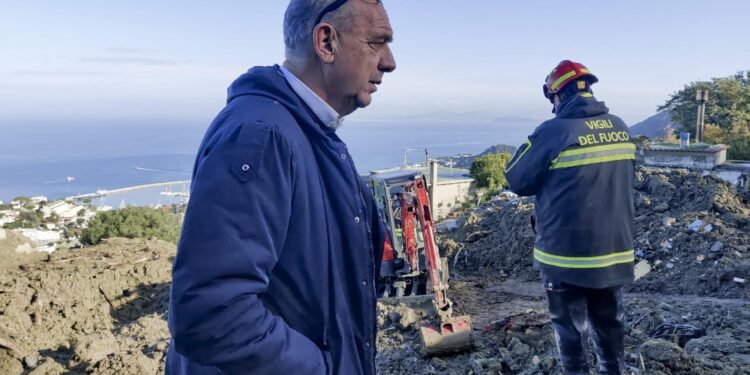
(276, 267)
(580, 167)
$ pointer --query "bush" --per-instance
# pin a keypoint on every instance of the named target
(27, 219)
(132, 222)
(737, 138)
(489, 171)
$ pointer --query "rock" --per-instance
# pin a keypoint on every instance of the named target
(408, 318)
(642, 268)
(666, 244)
(661, 207)
(668, 221)
(670, 265)
(666, 353)
(30, 362)
(49, 367)
(696, 225)
(642, 200)
(2, 234)
(717, 246)
(535, 360)
(708, 228)
(518, 348)
(447, 225)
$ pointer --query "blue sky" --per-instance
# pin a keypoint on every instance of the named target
(78, 60)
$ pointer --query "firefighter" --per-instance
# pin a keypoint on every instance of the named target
(580, 168)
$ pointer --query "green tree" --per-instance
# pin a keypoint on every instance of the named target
(132, 222)
(727, 111)
(489, 171)
(53, 218)
(27, 219)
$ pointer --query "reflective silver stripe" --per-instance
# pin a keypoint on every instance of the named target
(584, 262)
(593, 155)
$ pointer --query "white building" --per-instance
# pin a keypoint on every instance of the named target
(64, 210)
(41, 237)
(39, 199)
(9, 216)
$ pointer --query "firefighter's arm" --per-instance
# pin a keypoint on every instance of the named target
(526, 171)
(232, 236)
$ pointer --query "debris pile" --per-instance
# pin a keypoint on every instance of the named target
(694, 232)
(687, 314)
(102, 310)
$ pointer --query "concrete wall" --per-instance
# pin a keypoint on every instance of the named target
(691, 160)
(450, 193)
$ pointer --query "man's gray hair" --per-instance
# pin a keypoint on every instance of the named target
(299, 22)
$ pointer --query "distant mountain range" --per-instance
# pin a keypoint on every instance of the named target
(464, 161)
(654, 126)
(444, 115)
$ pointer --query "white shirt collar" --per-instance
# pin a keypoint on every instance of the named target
(323, 110)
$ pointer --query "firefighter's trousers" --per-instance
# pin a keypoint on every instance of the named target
(579, 313)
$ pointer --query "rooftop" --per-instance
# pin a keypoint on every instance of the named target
(693, 148)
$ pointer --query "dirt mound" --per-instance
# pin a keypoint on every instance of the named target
(97, 310)
(16, 249)
(496, 239)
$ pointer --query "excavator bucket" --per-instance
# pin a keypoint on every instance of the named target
(449, 335)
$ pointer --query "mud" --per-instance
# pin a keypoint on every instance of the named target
(99, 310)
(102, 310)
(692, 283)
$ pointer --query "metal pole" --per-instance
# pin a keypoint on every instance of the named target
(433, 187)
(701, 97)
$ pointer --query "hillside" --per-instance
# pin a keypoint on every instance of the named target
(652, 127)
(464, 161)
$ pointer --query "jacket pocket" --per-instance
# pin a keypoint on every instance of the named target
(250, 146)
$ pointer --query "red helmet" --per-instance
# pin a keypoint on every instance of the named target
(565, 72)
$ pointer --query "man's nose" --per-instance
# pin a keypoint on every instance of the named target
(387, 62)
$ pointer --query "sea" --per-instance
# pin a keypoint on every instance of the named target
(59, 160)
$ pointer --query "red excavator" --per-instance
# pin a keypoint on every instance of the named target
(412, 271)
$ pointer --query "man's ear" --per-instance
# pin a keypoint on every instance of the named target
(325, 42)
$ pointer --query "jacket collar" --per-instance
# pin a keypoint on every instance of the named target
(269, 82)
(323, 110)
(581, 106)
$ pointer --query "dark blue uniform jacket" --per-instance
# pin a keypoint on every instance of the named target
(275, 268)
(580, 167)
